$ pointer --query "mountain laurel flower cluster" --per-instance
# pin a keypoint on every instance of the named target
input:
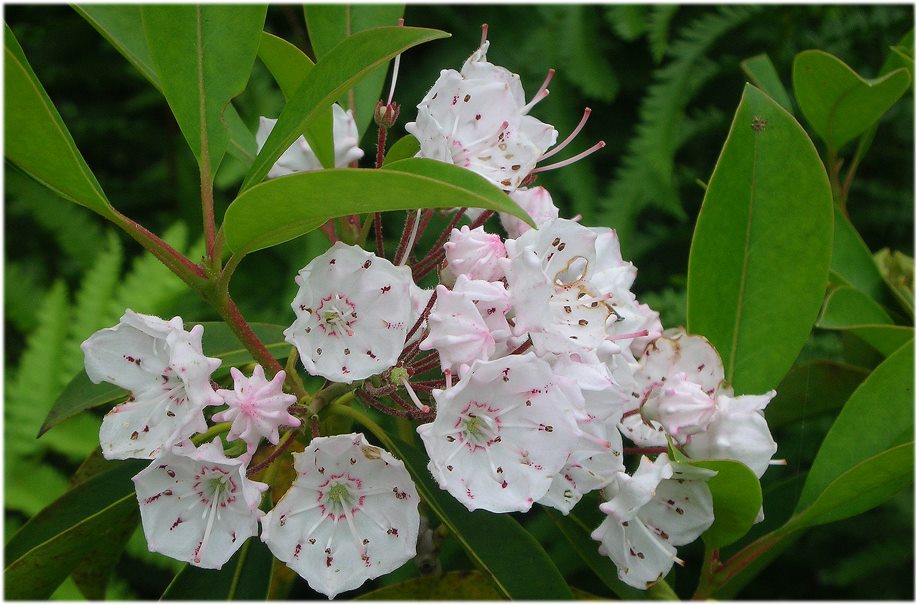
(531, 370)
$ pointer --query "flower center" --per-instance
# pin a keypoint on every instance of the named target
(341, 496)
(336, 315)
(476, 427)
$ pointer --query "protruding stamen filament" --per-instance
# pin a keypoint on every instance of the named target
(628, 335)
(448, 379)
(411, 239)
(214, 506)
(413, 396)
(541, 93)
(572, 135)
(779, 462)
(600, 442)
(571, 160)
(483, 34)
(394, 73)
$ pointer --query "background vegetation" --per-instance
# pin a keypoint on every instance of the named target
(663, 82)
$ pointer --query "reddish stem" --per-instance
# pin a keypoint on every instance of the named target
(379, 240)
(437, 246)
(190, 273)
(522, 348)
(423, 316)
(424, 365)
(313, 426)
(278, 451)
(405, 237)
(380, 154)
(377, 405)
(424, 221)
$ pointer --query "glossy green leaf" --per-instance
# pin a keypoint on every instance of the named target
(897, 271)
(122, 26)
(849, 309)
(329, 24)
(245, 577)
(404, 148)
(877, 413)
(761, 249)
(289, 65)
(579, 537)
(864, 486)
(81, 394)
(839, 103)
(46, 549)
(345, 65)
(284, 208)
(36, 138)
(852, 263)
(203, 55)
(736, 500)
(813, 388)
(450, 586)
(92, 572)
(762, 73)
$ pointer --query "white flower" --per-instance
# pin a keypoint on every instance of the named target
(739, 432)
(681, 406)
(474, 254)
(626, 373)
(502, 434)
(353, 311)
(257, 408)
(477, 119)
(678, 352)
(197, 505)
(661, 506)
(164, 368)
(537, 202)
(300, 157)
(351, 515)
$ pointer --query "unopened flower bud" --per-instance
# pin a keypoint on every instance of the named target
(386, 114)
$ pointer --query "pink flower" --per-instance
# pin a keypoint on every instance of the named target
(537, 202)
(474, 254)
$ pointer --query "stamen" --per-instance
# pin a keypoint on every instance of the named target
(304, 509)
(394, 73)
(628, 335)
(413, 396)
(413, 236)
(571, 160)
(483, 34)
(541, 93)
(214, 506)
(448, 379)
(779, 462)
(572, 135)
(600, 442)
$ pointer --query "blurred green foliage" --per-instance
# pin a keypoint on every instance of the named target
(662, 81)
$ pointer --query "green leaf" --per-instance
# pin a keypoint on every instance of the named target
(284, 208)
(629, 21)
(81, 394)
(497, 544)
(47, 548)
(289, 65)
(762, 72)
(897, 272)
(451, 586)
(122, 26)
(877, 413)
(197, 83)
(863, 487)
(245, 577)
(36, 138)
(96, 565)
(813, 388)
(329, 24)
(852, 262)
(347, 63)
(839, 103)
(736, 500)
(404, 148)
(579, 537)
(849, 309)
(755, 279)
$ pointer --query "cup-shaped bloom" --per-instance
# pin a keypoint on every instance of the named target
(197, 505)
(350, 515)
(257, 407)
(502, 434)
(477, 119)
(164, 368)
(674, 352)
(353, 311)
(662, 505)
(475, 254)
(739, 432)
(681, 406)
(536, 201)
(300, 157)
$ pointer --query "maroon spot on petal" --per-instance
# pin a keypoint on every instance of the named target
(134, 436)
(311, 540)
(367, 264)
(477, 117)
(177, 522)
(393, 531)
(333, 261)
(298, 550)
(386, 289)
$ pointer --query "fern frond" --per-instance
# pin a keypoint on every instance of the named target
(586, 66)
(38, 379)
(22, 287)
(645, 177)
(629, 21)
(658, 26)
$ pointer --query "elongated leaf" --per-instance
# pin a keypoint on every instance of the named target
(203, 55)
(285, 208)
(329, 24)
(849, 309)
(877, 413)
(736, 499)
(245, 577)
(95, 566)
(579, 537)
(122, 26)
(451, 586)
(404, 148)
(852, 262)
(813, 388)
(36, 138)
(81, 394)
(863, 487)
(761, 249)
(497, 544)
(47, 548)
(346, 64)
(289, 65)
(838, 102)
(762, 72)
